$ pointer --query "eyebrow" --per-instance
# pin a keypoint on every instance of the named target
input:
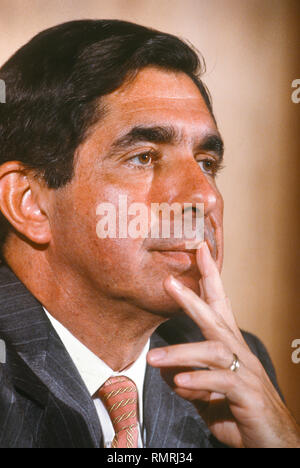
(167, 135)
(212, 143)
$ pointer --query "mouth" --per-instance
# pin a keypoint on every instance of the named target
(177, 255)
(187, 248)
(181, 257)
(184, 250)
(175, 248)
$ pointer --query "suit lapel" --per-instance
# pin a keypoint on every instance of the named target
(44, 370)
(170, 421)
(62, 378)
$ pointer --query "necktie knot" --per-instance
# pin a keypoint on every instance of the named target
(119, 396)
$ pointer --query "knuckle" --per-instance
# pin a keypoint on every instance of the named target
(220, 351)
(220, 323)
(230, 378)
(259, 402)
(257, 385)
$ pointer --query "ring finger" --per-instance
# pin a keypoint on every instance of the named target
(206, 354)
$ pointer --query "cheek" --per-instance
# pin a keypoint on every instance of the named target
(111, 263)
(77, 223)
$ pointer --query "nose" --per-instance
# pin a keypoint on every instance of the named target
(191, 185)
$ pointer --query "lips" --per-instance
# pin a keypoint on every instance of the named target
(175, 248)
(182, 259)
(187, 246)
(182, 247)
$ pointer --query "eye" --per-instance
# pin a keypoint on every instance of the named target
(142, 160)
(206, 165)
(210, 166)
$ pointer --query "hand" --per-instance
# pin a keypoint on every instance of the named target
(242, 408)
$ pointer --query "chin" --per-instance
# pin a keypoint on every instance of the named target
(166, 313)
(191, 282)
(159, 303)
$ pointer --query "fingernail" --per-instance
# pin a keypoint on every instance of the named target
(157, 355)
(202, 243)
(183, 379)
(204, 246)
(205, 254)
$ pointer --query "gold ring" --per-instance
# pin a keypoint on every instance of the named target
(235, 363)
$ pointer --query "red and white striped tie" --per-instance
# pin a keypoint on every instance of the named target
(119, 396)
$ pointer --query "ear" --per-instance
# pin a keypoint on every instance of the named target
(23, 202)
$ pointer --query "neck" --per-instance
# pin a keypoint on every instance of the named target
(113, 329)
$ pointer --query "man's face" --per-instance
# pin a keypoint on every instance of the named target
(157, 142)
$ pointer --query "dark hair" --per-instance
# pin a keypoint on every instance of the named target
(54, 82)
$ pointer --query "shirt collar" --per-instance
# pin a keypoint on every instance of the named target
(93, 371)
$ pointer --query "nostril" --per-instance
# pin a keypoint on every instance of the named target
(194, 210)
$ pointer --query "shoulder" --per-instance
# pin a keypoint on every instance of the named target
(7, 277)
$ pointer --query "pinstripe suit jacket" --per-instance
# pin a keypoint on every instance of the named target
(44, 402)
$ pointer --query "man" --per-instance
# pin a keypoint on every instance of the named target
(96, 110)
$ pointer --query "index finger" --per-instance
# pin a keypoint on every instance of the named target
(212, 286)
(210, 276)
(212, 324)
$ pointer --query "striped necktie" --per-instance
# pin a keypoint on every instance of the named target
(119, 396)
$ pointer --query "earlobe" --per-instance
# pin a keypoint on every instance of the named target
(20, 203)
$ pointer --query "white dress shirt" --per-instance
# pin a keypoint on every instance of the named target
(95, 372)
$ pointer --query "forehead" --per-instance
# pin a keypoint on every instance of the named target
(156, 96)
(160, 84)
